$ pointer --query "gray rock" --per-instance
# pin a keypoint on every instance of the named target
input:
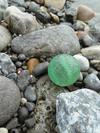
(16, 2)
(30, 94)
(92, 82)
(3, 6)
(23, 79)
(6, 65)
(9, 99)
(78, 112)
(13, 76)
(5, 38)
(30, 122)
(49, 41)
(20, 22)
(15, 130)
(13, 123)
(21, 57)
(3, 130)
(30, 106)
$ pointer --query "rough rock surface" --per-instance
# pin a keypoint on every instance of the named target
(20, 22)
(9, 99)
(5, 38)
(78, 112)
(49, 41)
(3, 6)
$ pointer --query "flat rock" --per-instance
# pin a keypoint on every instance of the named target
(20, 22)
(78, 111)
(50, 41)
(5, 38)
(9, 99)
(3, 6)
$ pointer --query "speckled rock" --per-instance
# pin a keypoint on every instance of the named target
(9, 99)
(5, 38)
(81, 114)
(92, 82)
(20, 22)
(6, 65)
(3, 6)
(49, 41)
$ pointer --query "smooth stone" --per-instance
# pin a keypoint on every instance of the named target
(23, 101)
(72, 109)
(59, 39)
(23, 79)
(39, 1)
(30, 94)
(30, 106)
(13, 123)
(32, 6)
(92, 52)
(13, 76)
(92, 82)
(96, 64)
(3, 6)
(40, 69)
(15, 130)
(3, 130)
(20, 22)
(83, 61)
(5, 38)
(30, 122)
(9, 99)
(54, 18)
(6, 65)
(18, 64)
(21, 57)
(59, 4)
(85, 13)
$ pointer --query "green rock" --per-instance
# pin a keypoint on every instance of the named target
(64, 70)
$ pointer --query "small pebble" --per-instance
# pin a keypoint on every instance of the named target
(30, 106)
(18, 64)
(23, 101)
(3, 130)
(30, 122)
(15, 130)
(21, 57)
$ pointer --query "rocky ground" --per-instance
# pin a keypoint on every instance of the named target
(31, 34)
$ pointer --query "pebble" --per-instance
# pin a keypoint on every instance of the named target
(83, 61)
(40, 69)
(21, 57)
(20, 22)
(30, 106)
(3, 130)
(85, 13)
(18, 64)
(15, 131)
(23, 101)
(54, 18)
(13, 123)
(30, 122)
(13, 76)
(23, 114)
(30, 94)
(92, 82)
(5, 38)
(32, 63)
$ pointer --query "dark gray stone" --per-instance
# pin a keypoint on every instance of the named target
(13, 123)
(30, 94)
(9, 99)
(21, 57)
(30, 122)
(30, 106)
(13, 76)
(78, 112)
(3, 6)
(50, 41)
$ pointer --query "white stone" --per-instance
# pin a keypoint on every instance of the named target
(3, 130)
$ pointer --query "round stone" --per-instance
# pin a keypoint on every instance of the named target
(9, 99)
(64, 70)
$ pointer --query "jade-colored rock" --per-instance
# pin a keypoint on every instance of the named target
(64, 70)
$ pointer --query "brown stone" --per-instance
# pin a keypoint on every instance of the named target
(54, 17)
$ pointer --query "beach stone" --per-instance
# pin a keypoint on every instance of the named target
(13, 123)
(5, 38)
(9, 99)
(85, 13)
(72, 116)
(3, 130)
(83, 61)
(59, 39)
(17, 2)
(92, 82)
(92, 52)
(3, 6)
(59, 4)
(6, 65)
(20, 22)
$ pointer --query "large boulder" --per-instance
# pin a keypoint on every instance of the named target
(9, 99)
(78, 112)
(20, 22)
(50, 41)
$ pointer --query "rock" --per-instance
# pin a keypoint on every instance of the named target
(92, 82)
(9, 99)
(3, 130)
(5, 38)
(6, 65)
(72, 116)
(30, 122)
(21, 57)
(40, 69)
(23, 101)
(15, 130)
(39, 1)
(18, 64)
(96, 64)
(23, 114)
(30, 106)
(13, 123)
(12, 76)
(92, 52)
(20, 22)
(3, 6)
(83, 61)
(54, 18)
(23, 79)
(50, 41)
(32, 63)
(59, 4)
(30, 94)
(16, 2)
(85, 13)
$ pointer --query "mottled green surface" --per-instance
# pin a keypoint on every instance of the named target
(64, 70)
